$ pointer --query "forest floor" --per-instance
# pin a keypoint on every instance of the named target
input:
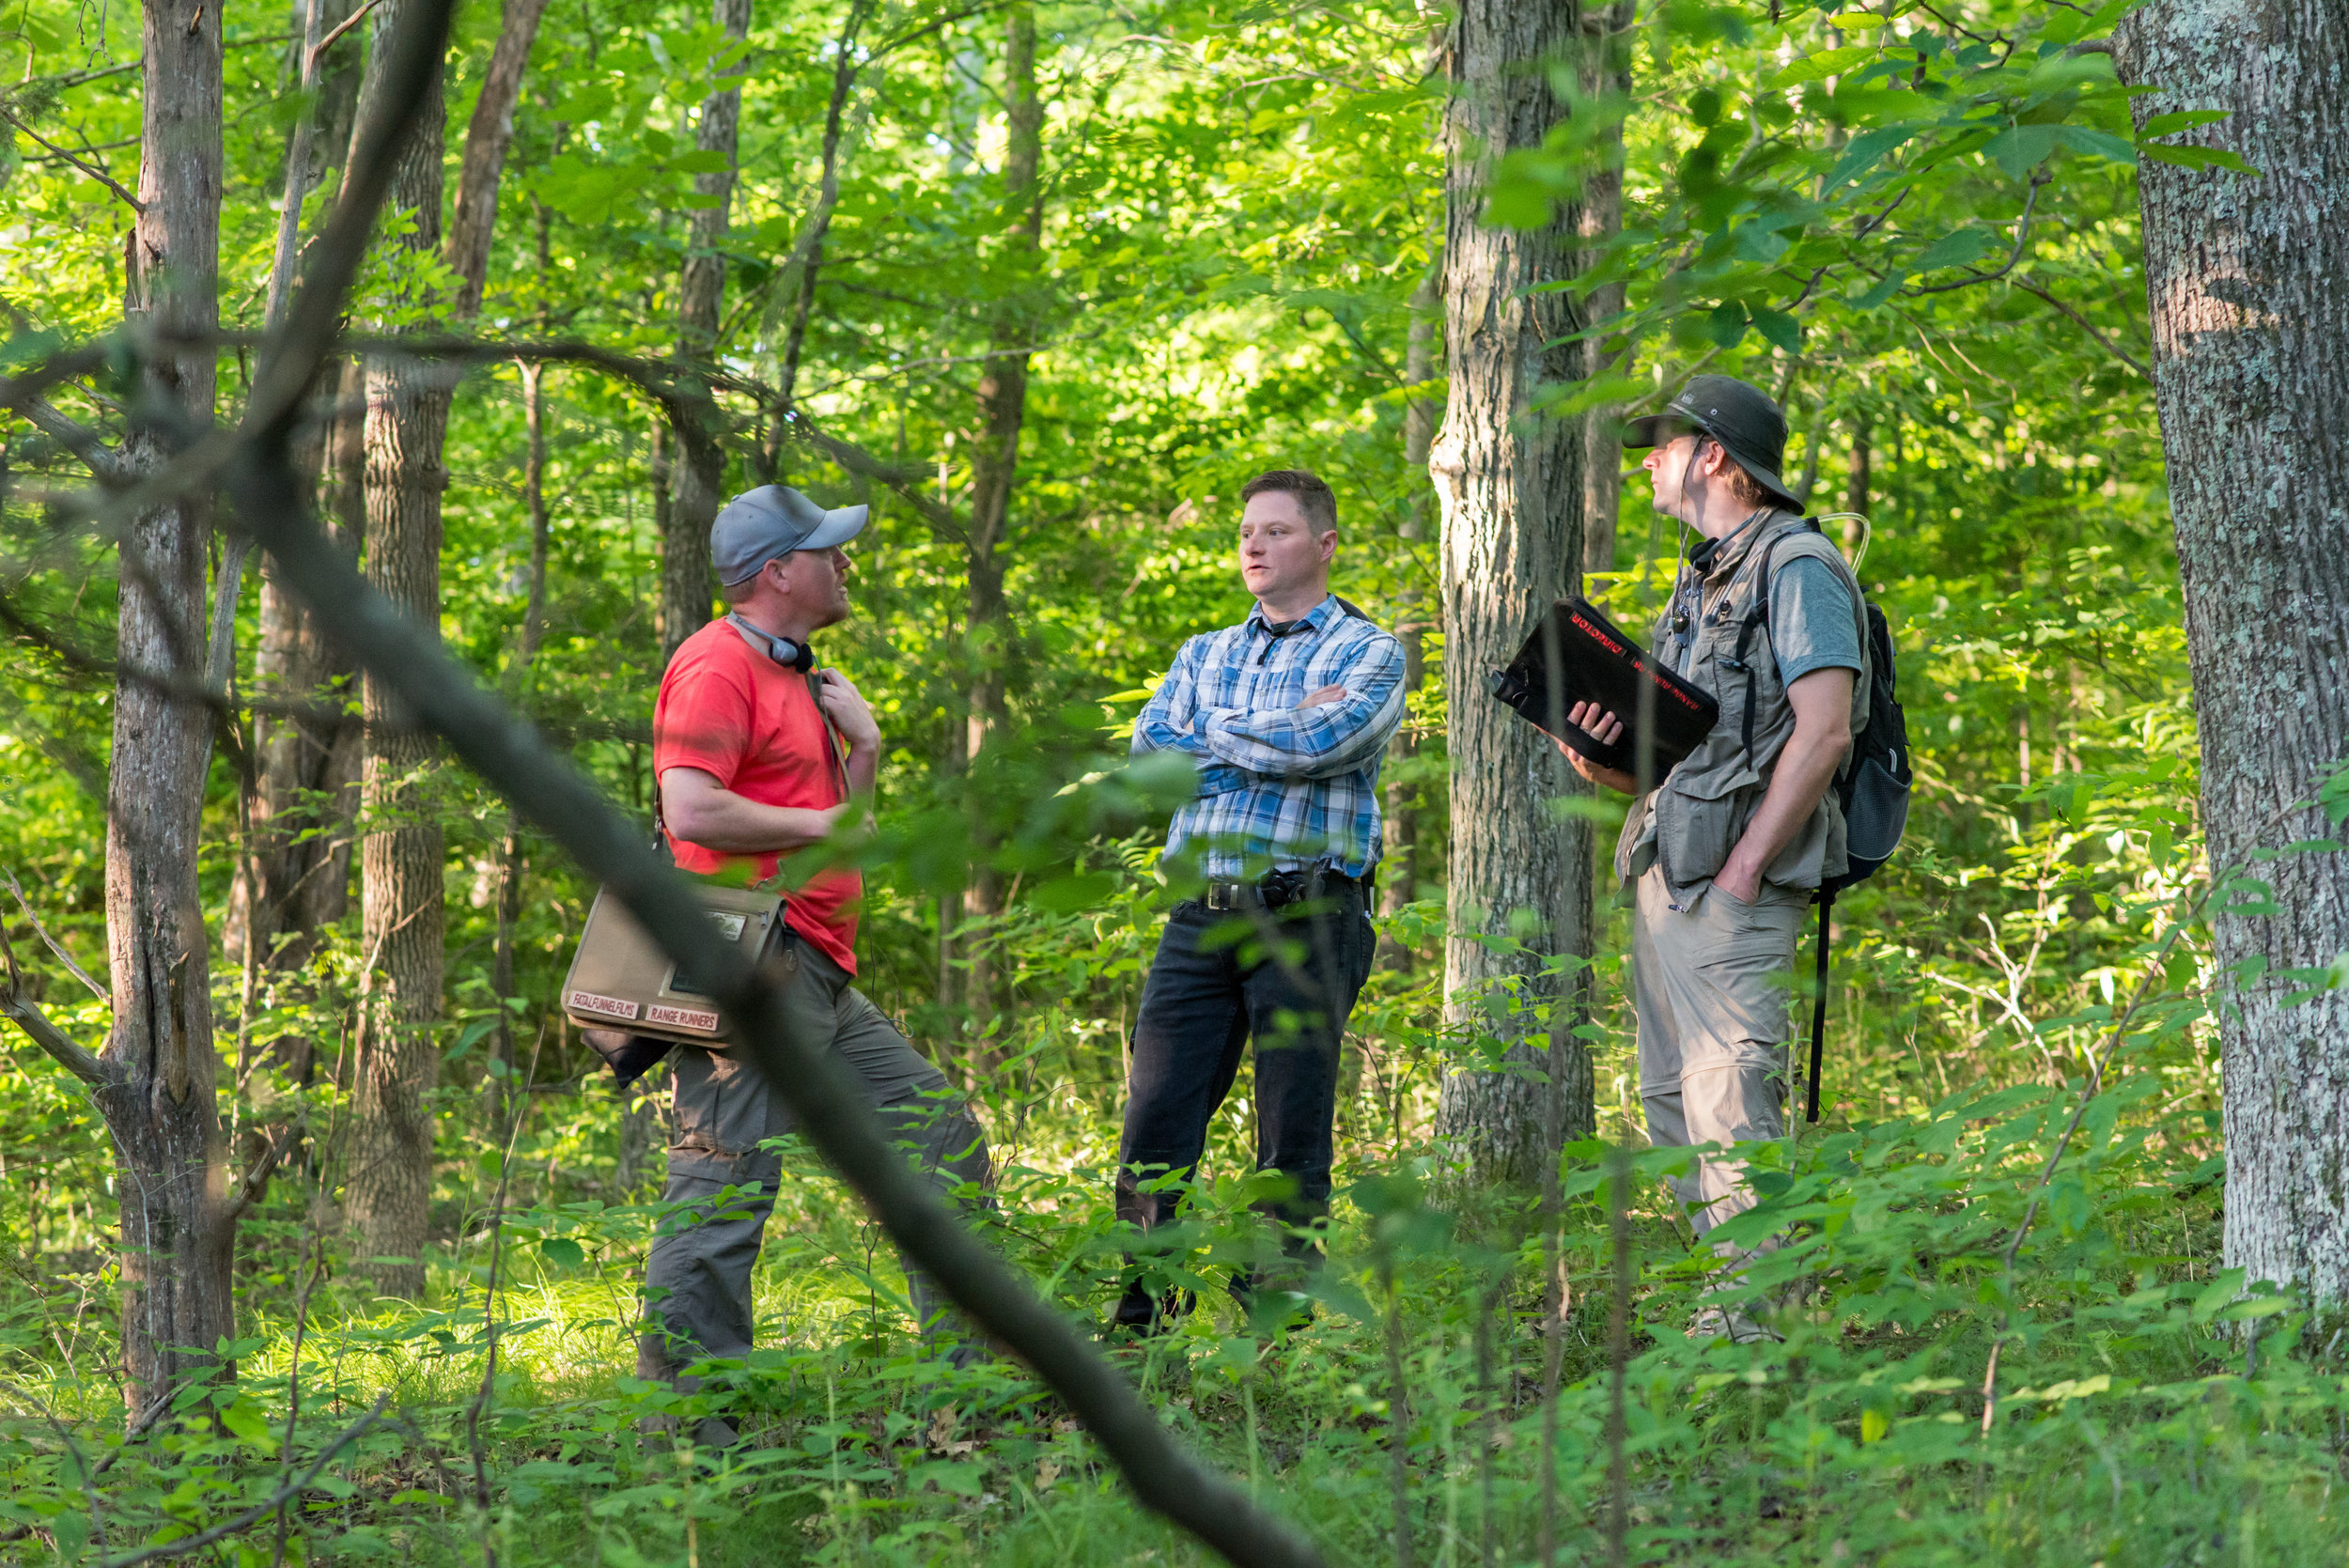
(2148, 1411)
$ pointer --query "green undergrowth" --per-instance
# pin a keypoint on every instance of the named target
(2148, 1410)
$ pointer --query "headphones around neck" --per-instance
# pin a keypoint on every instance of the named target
(783, 651)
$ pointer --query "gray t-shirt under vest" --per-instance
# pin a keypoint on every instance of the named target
(1812, 625)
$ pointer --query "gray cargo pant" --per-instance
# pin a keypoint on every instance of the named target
(1710, 980)
(697, 1283)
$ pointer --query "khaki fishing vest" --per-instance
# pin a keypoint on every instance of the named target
(1688, 824)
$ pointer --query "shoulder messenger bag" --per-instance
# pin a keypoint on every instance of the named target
(624, 992)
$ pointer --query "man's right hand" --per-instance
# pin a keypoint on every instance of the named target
(1605, 728)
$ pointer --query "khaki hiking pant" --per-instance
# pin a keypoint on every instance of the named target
(697, 1281)
(1711, 982)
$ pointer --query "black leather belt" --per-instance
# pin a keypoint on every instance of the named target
(1278, 890)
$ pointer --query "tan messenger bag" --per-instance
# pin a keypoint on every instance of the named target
(621, 980)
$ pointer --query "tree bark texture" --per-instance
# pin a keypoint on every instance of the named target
(1002, 409)
(2247, 281)
(699, 468)
(177, 1230)
(807, 255)
(1511, 488)
(1857, 482)
(389, 1185)
(1399, 868)
(303, 794)
(510, 863)
(1605, 68)
(487, 137)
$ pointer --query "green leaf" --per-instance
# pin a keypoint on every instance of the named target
(2020, 149)
(1779, 328)
(1958, 248)
(2196, 157)
(562, 1251)
(2224, 1287)
(964, 1479)
(2181, 119)
(1727, 323)
(1825, 62)
(71, 1532)
(1866, 149)
(1877, 296)
(245, 1419)
(2098, 144)
(1067, 894)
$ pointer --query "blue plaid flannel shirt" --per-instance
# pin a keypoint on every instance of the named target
(1279, 784)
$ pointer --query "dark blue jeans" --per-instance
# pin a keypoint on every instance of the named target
(1209, 995)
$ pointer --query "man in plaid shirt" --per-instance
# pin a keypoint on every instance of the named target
(1287, 715)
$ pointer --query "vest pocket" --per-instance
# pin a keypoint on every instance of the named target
(1697, 822)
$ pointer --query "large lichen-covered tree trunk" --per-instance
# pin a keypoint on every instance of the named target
(2248, 282)
(400, 860)
(177, 1233)
(1511, 488)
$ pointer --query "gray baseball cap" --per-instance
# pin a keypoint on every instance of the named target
(774, 519)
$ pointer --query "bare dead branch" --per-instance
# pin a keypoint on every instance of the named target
(27, 1015)
(2022, 239)
(74, 436)
(2109, 346)
(51, 942)
(92, 170)
(317, 50)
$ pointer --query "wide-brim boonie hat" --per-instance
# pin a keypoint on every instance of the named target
(1750, 428)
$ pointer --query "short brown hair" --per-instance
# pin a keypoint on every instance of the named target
(1314, 496)
(1743, 488)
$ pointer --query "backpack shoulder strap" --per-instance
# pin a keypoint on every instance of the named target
(1758, 615)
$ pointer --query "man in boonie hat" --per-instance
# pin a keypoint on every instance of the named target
(749, 770)
(1727, 850)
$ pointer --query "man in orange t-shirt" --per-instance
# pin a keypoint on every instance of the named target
(749, 771)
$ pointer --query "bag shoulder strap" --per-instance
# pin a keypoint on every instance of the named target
(831, 736)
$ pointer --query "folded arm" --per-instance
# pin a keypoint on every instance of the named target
(1317, 740)
(1169, 721)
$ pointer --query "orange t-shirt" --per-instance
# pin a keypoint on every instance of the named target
(753, 724)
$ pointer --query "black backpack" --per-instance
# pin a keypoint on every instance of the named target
(1872, 786)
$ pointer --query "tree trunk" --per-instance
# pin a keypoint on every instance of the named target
(2247, 279)
(179, 1231)
(296, 876)
(510, 865)
(1399, 868)
(699, 471)
(1605, 62)
(1856, 483)
(995, 463)
(487, 137)
(390, 1181)
(1511, 488)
